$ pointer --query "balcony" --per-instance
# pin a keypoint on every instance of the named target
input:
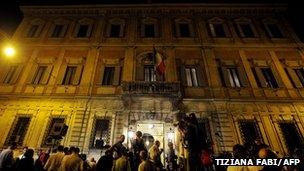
(166, 89)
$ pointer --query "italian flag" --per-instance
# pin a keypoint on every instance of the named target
(159, 62)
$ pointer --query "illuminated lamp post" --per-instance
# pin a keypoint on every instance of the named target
(6, 45)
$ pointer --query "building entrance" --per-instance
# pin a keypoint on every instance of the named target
(151, 133)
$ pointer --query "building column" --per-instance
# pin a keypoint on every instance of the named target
(280, 70)
(247, 69)
(88, 73)
(170, 73)
(128, 68)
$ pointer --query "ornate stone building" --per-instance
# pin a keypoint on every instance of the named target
(239, 68)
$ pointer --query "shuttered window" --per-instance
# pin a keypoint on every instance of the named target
(269, 78)
(191, 76)
(47, 139)
(217, 30)
(274, 31)
(246, 30)
(300, 74)
(9, 75)
(57, 32)
(149, 73)
(291, 135)
(108, 76)
(40, 73)
(234, 77)
(249, 131)
(18, 131)
(69, 75)
(32, 32)
(100, 133)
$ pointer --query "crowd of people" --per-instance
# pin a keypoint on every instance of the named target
(194, 154)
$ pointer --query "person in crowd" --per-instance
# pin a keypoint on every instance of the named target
(155, 153)
(122, 163)
(92, 164)
(191, 137)
(146, 164)
(137, 146)
(206, 160)
(86, 166)
(118, 147)
(66, 150)
(42, 159)
(55, 159)
(99, 143)
(72, 162)
(239, 152)
(27, 161)
(171, 158)
(23, 152)
(105, 162)
(7, 158)
(258, 144)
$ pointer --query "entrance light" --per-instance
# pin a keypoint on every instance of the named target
(170, 135)
(151, 126)
(130, 134)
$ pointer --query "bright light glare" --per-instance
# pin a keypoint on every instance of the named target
(130, 134)
(170, 136)
(9, 51)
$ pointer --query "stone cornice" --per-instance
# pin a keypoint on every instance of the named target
(173, 9)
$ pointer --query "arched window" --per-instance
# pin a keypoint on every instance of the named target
(245, 28)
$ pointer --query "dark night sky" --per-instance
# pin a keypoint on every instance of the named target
(10, 15)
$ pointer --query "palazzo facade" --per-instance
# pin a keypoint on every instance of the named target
(239, 68)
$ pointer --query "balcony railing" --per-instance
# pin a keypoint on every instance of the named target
(152, 88)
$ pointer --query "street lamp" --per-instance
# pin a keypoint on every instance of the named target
(7, 49)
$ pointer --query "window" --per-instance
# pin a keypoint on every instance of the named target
(58, 29)
(191, 77)
(269, 78)
(10, 74)
(249, 131)
(300, 74)
(274, 31)
(149, 73)
(115, 30)
(217, 30)
(291, 135)
(246, 30)
(184, 30)
(32, 31)
(108, 76)
(149, 30)
(234, 77)
(18, 131)
(69, 75)
(39, 75)
(48, 139)
(83, 30)
(101, 133)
